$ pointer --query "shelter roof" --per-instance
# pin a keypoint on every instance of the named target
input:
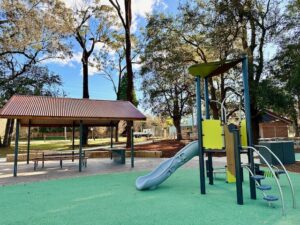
(54, 111)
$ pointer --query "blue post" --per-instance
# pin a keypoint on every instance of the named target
(16, 148)
(80, 146)
(248, 123)
(200, 141)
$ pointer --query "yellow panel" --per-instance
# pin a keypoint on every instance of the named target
(243, 130)
(212, 134)
(230, 177)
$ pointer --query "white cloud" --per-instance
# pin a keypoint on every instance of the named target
(68, 61)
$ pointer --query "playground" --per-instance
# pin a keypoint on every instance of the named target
(112, 199)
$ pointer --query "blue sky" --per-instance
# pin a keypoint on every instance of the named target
(99, 87)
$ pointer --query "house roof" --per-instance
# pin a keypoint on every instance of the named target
(269, 116)
(54, 111)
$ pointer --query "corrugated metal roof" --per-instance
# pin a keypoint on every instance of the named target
(38, 107)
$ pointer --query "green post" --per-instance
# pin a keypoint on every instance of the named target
(16, 148)
(238, 169)
(132, 148)
(248, 124)
(80, 146)
(28, 141)
(200, 141)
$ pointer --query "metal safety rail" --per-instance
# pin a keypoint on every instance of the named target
(285, 171)
(273, 173)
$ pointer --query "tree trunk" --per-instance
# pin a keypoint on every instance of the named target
(85, 91)
(129, 124)
(8, 133)
(176, 121)
(117, 133)
(129, 91)
(213, 105)
(255, 120)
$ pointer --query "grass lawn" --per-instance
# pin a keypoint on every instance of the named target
(112, 199)
(42, 145)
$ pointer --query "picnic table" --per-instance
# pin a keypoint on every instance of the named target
(59, 157)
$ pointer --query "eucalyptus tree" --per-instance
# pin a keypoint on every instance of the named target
(37, 80)
(126, 21)
(250, 26)
(31, 31)
(168, 88)
(91, 25)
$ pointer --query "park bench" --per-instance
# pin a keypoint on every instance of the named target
(59, 157)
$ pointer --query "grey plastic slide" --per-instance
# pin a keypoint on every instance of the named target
(166, 168)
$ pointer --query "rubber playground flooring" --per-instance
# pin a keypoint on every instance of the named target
(112, 199)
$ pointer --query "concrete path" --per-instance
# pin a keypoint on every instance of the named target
(52, 169)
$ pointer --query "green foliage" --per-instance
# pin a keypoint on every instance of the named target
(168, 88)
(123, 90)
(36, 81)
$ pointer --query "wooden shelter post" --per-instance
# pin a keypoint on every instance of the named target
(28, 142)
(16, 148)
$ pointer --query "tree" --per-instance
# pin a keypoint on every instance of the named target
(168, 89)
(91, 24)
(285, 68)
(126, 22)
(247, 26)
(112, 65)
(30, 32)
(35, 81)
(123, 90)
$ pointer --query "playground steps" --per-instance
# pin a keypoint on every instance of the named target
(270, 198)
(263, 188)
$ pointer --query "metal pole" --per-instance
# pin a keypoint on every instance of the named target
(238, 169)
(16, 148)
(80, 146)
(200, 144)
(132, 148)
(73, 135)
(28, 141)
(248, 123)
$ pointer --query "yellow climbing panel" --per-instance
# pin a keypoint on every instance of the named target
(212, 134)
(243, 131)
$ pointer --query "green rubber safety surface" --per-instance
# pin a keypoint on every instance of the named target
(112, 199)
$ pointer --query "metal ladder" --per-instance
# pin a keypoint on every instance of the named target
(258, 178)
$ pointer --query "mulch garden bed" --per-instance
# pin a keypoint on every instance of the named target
(293, 167)
(168, 147)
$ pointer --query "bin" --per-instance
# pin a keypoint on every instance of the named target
(284, 150)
